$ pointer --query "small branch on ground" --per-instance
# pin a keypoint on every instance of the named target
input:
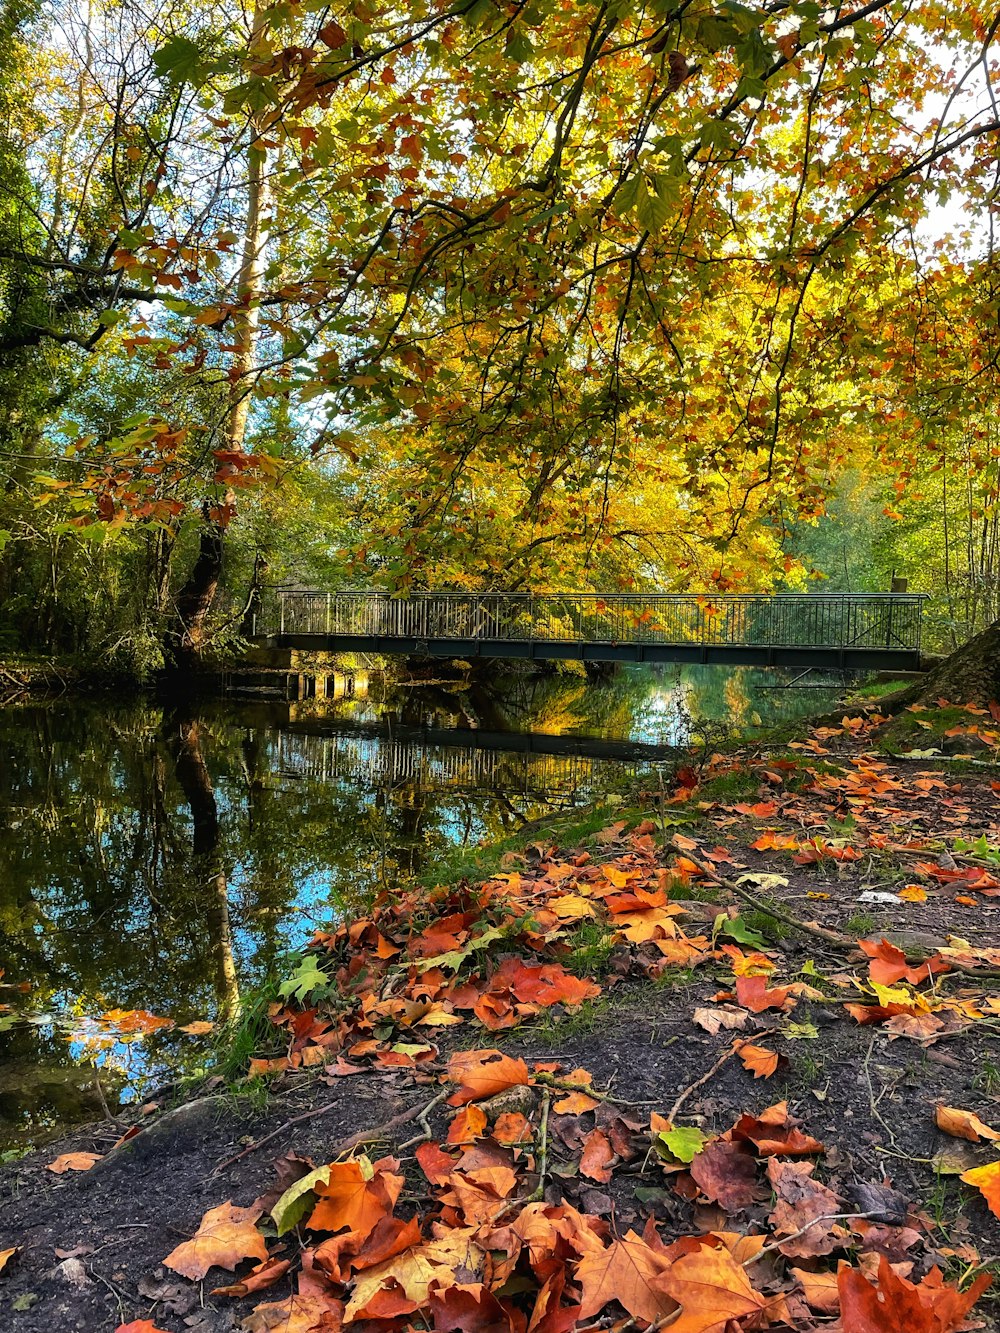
(827, 1217)
(700, 1082)
(543, 1150)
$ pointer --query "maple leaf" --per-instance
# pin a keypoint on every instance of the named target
(306, 1312)
(709, 1285)
(760, 1062)
(801, 1202)
(963, 1124)
(356, 1196)
(752, 994)
(987, 1180)
(889, 964)
(7, 1255)
(820, 1290)
(402, 1284)
(597, 1156)
(352, 1251)
(225, 1236)
(773, 1133)
(726, 1174)
(893, 1304)
(483, 1073)
(73, 1161)
(139, 1326)
(625, 1272)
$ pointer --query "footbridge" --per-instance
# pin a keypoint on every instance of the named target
(848, 631)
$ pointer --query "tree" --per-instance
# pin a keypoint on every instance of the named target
(525, 249)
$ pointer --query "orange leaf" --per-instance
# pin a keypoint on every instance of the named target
(73, 1161)
(597, 1156)
(820, 1290)
(625, 1272)
(483, 1073)
(758, 1060)
(710, 1286)
(469, 1124)
(963, 1124)
(225, 1236)
(356, 1196)
(773, 1133)
(260, 1277)
(987, 1181)
(139, 1326)
(752, 993)
(930, 1306)
(303, 1313)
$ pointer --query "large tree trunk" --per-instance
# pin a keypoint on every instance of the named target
(195, 598)
(969, 675)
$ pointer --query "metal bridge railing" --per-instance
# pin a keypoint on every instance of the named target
(813, 620)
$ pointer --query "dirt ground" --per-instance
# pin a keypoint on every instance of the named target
(91, 1245)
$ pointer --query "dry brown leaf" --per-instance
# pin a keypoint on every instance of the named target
(597, 1156)
(625, 1272)
(709, 1285)
(225, 1236)
(260, 1277)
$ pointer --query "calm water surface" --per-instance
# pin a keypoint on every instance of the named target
(156, 862)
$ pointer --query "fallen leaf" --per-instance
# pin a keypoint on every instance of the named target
(260, 1277)
(225, 1236)
(821, 1290)
(303, 1313)
(597, 1156)
(625, 1272)
(710, 1287)
(752, 993)
(892, 1303)
(963, 1124)
(139, 1326)
(198, 1028)
(714, 1019)
(758, 1060)
(483, 1073)
(726, 1173)
(356, 1196)
(74, 1161)
(801, 1201)
(987, 1181)
(7, 1255)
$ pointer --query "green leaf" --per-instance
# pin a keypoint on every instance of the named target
(519, 47)
(685, 1141)
(800, 1031)
(178, 59)
(454, 958)
(298, 1200)
(738, 930)
(307, 977)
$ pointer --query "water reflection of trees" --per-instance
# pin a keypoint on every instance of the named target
(155, 860)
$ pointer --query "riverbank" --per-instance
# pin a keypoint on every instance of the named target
(651, 1002)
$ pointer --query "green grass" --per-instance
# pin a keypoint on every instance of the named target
(861, 923)
(987, 1077)
(250, 1035)
(591, 947)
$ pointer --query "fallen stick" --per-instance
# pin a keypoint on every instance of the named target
(700, 1082)
(827, 1217)
(345, 1145)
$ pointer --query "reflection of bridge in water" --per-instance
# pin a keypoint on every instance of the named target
(856, 631)
(468, 761)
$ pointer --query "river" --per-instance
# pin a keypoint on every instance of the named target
(156, 862)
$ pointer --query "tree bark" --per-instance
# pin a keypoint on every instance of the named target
(195, 598)
(969, 675)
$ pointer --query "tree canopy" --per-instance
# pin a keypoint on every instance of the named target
(487, 294)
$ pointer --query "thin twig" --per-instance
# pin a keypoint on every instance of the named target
(425, 1130)
(700, 1082)
(827, 1217)
(346, 1145)
(564, 1085)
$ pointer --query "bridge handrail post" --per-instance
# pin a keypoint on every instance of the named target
(281, 612)
(328, 610)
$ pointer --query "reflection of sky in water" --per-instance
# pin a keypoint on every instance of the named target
(101, 906)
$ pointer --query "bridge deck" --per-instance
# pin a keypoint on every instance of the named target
(833, 630)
